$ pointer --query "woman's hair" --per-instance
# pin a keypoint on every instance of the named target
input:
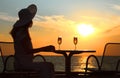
(15, 29)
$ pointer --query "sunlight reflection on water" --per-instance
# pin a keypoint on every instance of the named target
(79, 63)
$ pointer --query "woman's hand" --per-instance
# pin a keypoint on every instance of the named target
(49, 48)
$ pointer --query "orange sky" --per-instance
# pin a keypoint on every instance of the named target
(63, 19)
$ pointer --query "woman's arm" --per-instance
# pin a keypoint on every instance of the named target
(29, 49)
(46, 48)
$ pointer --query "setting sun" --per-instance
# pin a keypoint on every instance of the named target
(85, 29)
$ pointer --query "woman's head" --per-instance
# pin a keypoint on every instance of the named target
(26, 15)
(25, 19)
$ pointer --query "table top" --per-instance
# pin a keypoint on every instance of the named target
(74, 51)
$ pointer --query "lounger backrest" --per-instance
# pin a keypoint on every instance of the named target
(7, 48)
(111, 55)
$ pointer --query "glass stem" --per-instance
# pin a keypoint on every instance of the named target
(59, 47)
(75, 47)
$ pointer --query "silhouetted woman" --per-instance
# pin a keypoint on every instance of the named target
(23, 46)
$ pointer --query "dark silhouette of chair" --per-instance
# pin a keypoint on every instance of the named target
(7, 58)
(1, 62)
(107, 65)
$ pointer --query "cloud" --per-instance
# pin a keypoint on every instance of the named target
(60, 23)
(112, 29)
(6, 17)
(55, 22)
(104, 24)
(116, 7)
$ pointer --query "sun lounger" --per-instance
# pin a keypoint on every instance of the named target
(109, 63)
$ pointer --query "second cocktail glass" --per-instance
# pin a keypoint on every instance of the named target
(75, 41)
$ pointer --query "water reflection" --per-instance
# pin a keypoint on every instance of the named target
(79, 63)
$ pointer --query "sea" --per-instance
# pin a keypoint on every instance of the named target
(78, 63)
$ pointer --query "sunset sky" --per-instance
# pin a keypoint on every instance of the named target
(94, 22)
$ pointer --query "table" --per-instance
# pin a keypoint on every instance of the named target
(68, 54)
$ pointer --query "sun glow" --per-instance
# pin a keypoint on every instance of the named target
(85, 29)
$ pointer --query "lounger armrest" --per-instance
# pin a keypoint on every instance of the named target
(5, 62)
(38, 55)
(87, 62)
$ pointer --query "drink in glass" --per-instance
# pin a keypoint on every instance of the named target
(75, 41)
(59, 41)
